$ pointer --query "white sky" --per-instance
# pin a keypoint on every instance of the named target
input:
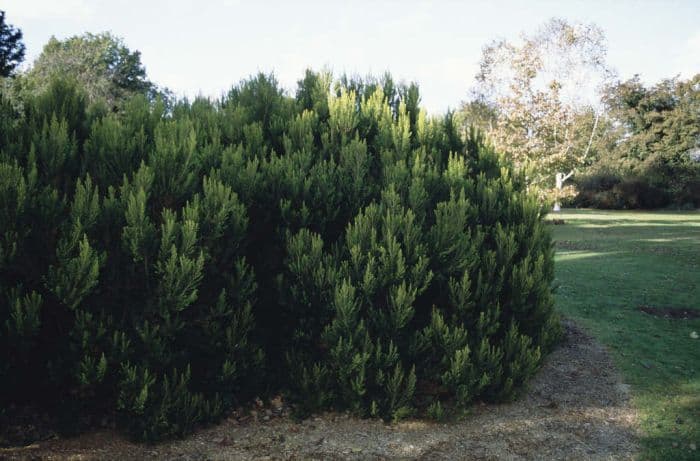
(204, 47)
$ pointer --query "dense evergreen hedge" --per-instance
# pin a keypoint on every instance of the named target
(165, 262)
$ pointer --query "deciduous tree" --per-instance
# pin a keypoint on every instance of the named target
(544, 87)
(106, 69)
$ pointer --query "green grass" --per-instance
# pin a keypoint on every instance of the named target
(609, 264)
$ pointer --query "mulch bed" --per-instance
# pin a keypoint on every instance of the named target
(575, 408)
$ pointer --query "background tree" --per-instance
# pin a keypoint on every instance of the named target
(106, 69)
(545, 87)
(479, 114)
(650, 162)
(663, 119)
(11, 47)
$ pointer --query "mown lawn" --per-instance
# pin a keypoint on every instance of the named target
(609, 263)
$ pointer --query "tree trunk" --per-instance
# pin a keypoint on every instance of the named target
(560, 178)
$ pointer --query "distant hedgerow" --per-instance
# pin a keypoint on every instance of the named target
(168, 261)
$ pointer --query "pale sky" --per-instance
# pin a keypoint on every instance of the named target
(204, 47)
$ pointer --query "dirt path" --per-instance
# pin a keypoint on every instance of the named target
(575, 408)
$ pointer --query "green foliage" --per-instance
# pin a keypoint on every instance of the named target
(11, 47)
(102, 64)
(651, 164)
(164, 264)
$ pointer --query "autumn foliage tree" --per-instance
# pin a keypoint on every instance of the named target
(542, 96)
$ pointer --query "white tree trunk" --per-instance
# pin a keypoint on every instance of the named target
(560, 178)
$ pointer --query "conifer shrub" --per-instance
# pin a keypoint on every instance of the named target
(166, 262)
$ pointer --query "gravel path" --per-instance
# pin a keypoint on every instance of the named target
(575, 408)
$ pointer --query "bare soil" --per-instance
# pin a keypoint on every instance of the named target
(678, 313)
(575, 408)
(555, 222)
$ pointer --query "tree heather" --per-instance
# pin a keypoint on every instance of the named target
(167, 261)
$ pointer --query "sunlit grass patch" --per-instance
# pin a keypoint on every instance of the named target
(608, 265)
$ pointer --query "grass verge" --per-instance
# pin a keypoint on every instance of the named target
(609, 265)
